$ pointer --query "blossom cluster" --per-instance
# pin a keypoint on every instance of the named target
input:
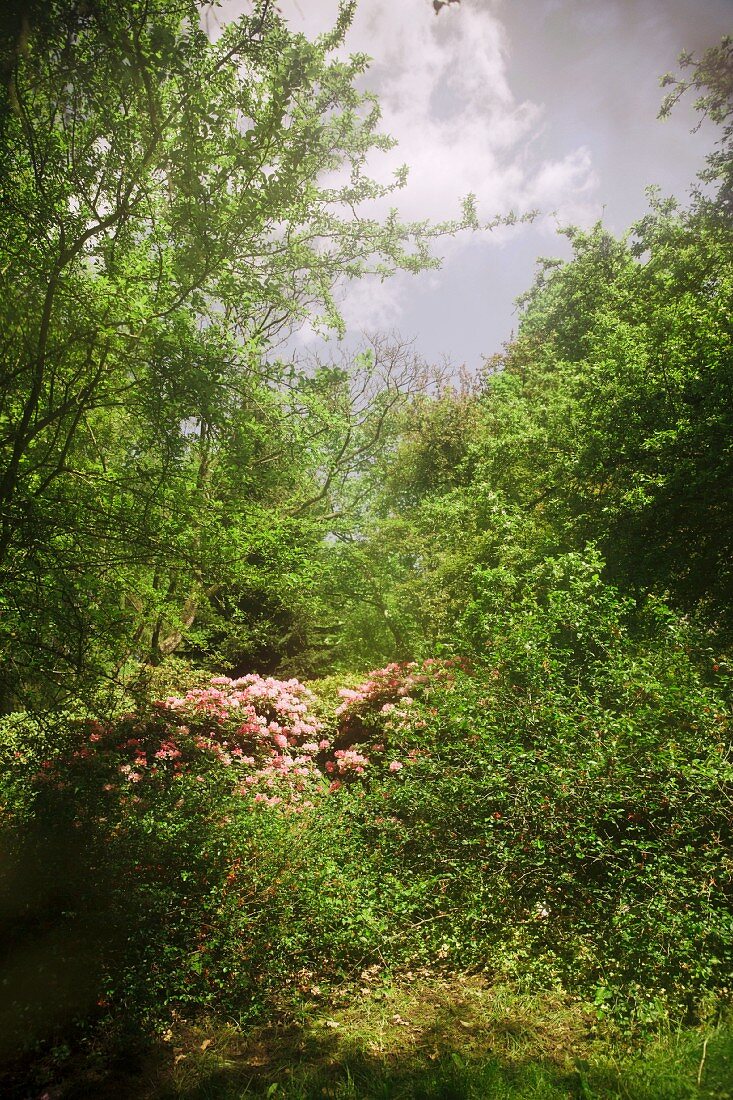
(260, 731)
(347, 761)
(390, 687)
(379, 710)
(263, 725)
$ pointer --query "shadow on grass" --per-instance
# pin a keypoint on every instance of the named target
(373, 1080)
(510, 1059)
(457, 1078)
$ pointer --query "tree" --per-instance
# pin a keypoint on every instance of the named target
(171, 206)
(337, 419)
(712, 77)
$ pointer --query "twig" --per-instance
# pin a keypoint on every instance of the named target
(702, 1062)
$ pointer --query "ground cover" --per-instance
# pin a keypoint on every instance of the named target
(424, 1035)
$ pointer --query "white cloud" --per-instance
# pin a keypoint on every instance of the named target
(445, 90)
(444, 84)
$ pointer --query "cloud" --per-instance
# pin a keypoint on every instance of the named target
(444, 87)
(445, 90)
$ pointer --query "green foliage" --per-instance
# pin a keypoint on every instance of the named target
(621, 406)
(574, 811)
(537, 785)
(164, 220)
(712, 76)
(608, 424)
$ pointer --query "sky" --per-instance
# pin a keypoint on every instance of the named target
(545, 104)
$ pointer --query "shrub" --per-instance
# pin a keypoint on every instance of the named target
(153, 857)
(573, 825)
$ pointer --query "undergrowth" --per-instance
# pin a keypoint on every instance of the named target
(545, 820)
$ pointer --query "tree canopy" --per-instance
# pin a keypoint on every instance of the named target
(172, 205)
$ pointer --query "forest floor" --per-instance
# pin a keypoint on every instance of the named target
(424, 1036)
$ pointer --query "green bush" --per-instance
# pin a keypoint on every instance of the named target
(565, 814)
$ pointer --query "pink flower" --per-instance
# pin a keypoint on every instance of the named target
(395, 766)
(167, 751)
(350, 760)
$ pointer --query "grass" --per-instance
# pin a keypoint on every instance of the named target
(429, 1037)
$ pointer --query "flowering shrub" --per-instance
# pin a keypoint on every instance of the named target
(259, 735)
(258, 725)
(381, 710)
(386, 691)
(259, 729)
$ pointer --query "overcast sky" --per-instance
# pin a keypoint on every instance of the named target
(526, 103)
